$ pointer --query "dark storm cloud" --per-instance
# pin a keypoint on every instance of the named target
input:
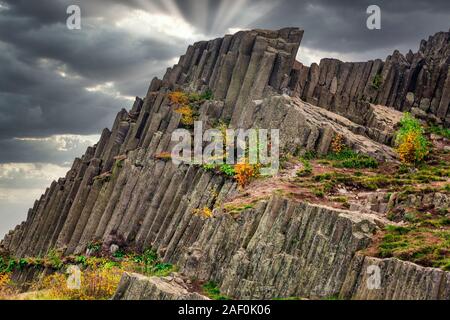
(44, 150)
(36, 47)
(340, 26)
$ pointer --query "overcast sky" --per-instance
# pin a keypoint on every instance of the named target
(60, 87)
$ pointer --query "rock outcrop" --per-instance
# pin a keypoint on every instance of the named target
(138, 287)
(418, 82)
(123, 192)
(399, 280)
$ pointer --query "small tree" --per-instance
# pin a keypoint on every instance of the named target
(412, 146)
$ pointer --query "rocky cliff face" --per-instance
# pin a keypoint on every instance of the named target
(418, 82)
(121, 191)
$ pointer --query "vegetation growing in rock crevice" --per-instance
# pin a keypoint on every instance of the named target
(188, 105)
(425, 242)
(306, 170)
(412, 146)
(245, 172)
(205, 212)
(377, 81)
(349, 159)
(212, 291)
(99, 275)
(440, 131)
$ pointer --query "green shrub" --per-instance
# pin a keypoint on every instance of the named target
(398, 230)
(119, 254)
(359, 162)
(81, 260)
(212, 291)
(227, 170)
(207, 95)
(163, 269)
(310, 155)
(349, 159)
(209, 167)
(323, 177)
(54, 257)
(94, 247)
(412, 146)
(319, 193)
(307, 169)
(7, 265)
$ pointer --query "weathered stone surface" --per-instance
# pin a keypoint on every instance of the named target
(418, 80)
(137, 287)
(398, 280)
(278, 249)
(312, 128)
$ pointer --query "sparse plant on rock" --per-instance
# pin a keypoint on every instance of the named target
(377, 82)
(204, 213)
(338, 145)
(306, 170)
(187, 115)
(227, 170)
(212, 290)
(164, 156)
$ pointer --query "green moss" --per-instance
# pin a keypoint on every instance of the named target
(162, 269)
(118, 165)
(425, 242)
(410, 217)
(238, 208)
(310, 155)
(319, 193)
(440, 131)
(306, 170)
(323, 177)
(359, 163)
(212, 291)
(350, 159)
(227, 170)
(398, 230)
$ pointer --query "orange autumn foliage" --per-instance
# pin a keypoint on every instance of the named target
(245, 172)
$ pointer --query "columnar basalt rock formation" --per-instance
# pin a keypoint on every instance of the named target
(418, 82)
(121, 189)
